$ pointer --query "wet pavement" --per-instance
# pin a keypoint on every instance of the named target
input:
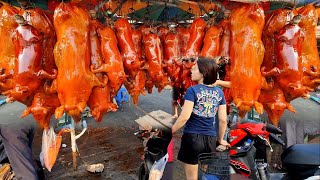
(112, 141)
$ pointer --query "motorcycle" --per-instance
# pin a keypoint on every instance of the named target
(155, 156)
(249, 141)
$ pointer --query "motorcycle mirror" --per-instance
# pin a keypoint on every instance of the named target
(272, 129)
(276, 139)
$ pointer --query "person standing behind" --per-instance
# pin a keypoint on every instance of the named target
(202, 102)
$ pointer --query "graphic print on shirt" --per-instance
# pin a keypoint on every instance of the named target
(207, 103)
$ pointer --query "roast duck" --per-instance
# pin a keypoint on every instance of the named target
(75, 81)
(211, 42)
(27, 67)
(224, 53)
(246, 53)
(310, 56)
(288, 45)
(193, 50)
(100, 100)
(7, 53)
(273, 99)
(171, 55)
(131, 61)
(43, 104)
(154, 59)
(136, 86)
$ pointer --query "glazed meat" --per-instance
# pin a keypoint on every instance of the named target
(197, 33)
(288, 44)
(224, 25)
(154, 58)
(7, 54)
(131, 61)
(72, 56)
(246, 53)
(310, 56)
(211, 42)
(171, 55)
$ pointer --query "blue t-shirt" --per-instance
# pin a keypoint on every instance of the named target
(207, 100)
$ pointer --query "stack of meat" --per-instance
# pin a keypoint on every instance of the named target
(277, 57)
(63, 65)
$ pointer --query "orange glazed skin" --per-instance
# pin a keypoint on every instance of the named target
(72, 56)
(246, 53)
(7, 54)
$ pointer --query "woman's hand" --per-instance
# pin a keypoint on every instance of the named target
(217, 83)
(224, 143)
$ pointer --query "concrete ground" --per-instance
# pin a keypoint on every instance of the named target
(112, 142)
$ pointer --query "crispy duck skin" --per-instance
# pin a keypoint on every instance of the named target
(246, 53)
(131, 61)
(195, 42)
(184, 36)
(288, 45)
(113, 62)
(224, 25)
(7, 54)
(273, 99)
(171, 55)
(274, 103)
(72, 56)
(211, 42)
(162, 32)
(154, 58)
(310, 56)
(100, 100)
(43, 107)
(28, 74)
(39, 20)
(277, 20)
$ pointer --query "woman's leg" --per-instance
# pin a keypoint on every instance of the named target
(191, 171)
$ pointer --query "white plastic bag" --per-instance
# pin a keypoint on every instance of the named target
(157, 169)
(51, 143)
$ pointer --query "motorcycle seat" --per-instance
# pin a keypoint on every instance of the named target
(301, 154)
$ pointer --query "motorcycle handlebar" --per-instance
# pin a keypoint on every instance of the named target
(272, 129)
(276, 139)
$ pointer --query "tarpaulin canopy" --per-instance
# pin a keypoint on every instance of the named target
(160, 12)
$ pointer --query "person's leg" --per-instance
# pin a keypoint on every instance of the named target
(288, 127)
(191, 171)
(3, 155)
(300, 131)
(17, 139)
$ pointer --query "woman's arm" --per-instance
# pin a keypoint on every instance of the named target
(222, 114)
(226, 84)
(184, 116)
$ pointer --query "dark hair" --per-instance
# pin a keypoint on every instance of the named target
(208, 68)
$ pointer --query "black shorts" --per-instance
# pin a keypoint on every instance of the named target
(192, 145)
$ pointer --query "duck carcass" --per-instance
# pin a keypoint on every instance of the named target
(171, 55)
(72, 56)
(131, 61)
(195, 42)
(211, 42)
(246, 53)
(100, 100)
(224, 25)
(288, 46)
(154, 59)
(310, 55)
(28, 73)
(7, 54)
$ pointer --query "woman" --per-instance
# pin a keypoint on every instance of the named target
(202, 102)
